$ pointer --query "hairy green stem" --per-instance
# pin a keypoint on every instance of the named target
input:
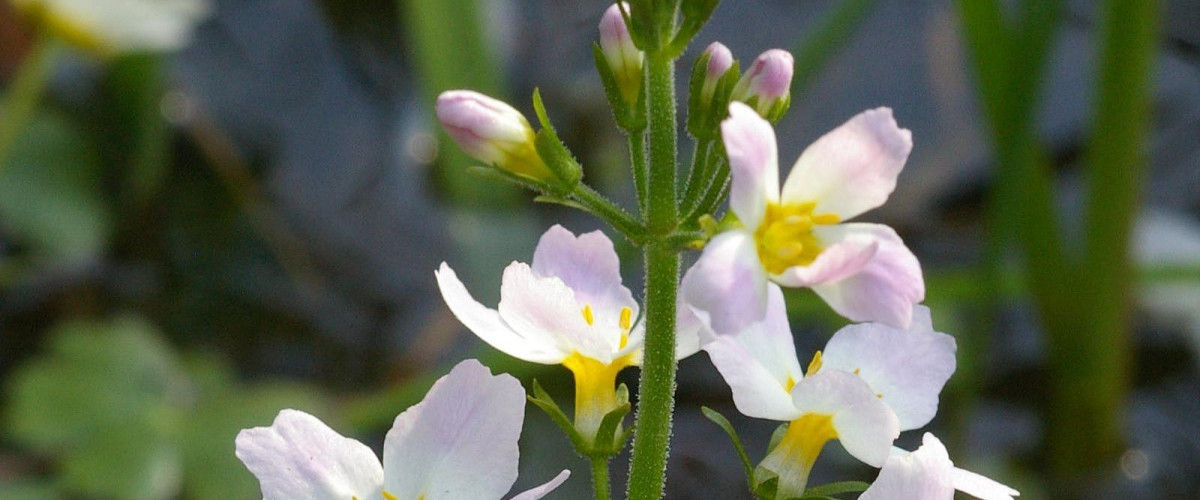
(21, 99)
(657, 386)
(600, 478)
(610, 212)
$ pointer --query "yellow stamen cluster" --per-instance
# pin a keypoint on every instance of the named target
(785, 237)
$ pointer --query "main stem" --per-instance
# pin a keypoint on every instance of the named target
(657, 389)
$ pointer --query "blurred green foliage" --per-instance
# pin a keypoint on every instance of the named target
(124, 417)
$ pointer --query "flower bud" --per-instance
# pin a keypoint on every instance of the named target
(766, 85)
(622, 55)
(491, 131)
(720, 59)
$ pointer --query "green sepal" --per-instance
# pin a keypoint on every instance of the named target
(779, 109)
(625, 113)
(696, 109)
(543, 400)
(827, 490)
(552, 150)
(724, 424)
(558, 200)
(606, 443)
(704, 119)
(776, 437)
(695, 14)
(767, 485)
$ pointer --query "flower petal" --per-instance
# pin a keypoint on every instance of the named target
(530, 303)
(299, 456)
(839, 260)
(760, 364)
(929, 474)
(543, 490)
(727, 287)
(853, 168)
(753, 163)
(886, 288)
(531, 345)
(923, 474)
(980, 486)
(908, 368)
(460, 442)
(865, 425)
(589, 266)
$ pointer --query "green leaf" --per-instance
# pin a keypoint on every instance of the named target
(133, 461)
(26, 489)
(51, 191)
(724, 424)
(97, 375)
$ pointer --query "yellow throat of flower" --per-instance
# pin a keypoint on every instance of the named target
(595, 381)
(785, 239)
(793, 458)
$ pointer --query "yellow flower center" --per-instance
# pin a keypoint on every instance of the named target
(595, 381)
(785, 237)
(793, 458)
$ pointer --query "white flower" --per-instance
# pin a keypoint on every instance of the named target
(796, 237)
(115, 26)
(570, 308)
(928, 474)
(459, 443)
(873, 383)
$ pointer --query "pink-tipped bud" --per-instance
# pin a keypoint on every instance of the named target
(622, 55)
(766, 85)
(491, 131)
(720, 59)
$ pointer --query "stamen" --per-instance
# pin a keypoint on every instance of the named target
(790, 250)
(587, 315)
(814, 366)
(626, 319)
(826, 219)
(791, 383)
(389, 496)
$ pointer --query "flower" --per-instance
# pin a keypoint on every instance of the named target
(767, 85)
(622, 55)
(459, 443)
(492, 132)
(872, 383)
(114, 26)
(928, 474)
(797, 238)
(568, 308)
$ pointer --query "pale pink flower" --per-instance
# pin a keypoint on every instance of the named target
(872, 383)
(459, 443)
(797, 237)
(570, 308)
(928, 474)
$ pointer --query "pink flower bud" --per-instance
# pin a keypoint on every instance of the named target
(720, 59)
(622, 55)
(768, 81)
(491, 131)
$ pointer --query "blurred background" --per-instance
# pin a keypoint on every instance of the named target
(192, 239)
